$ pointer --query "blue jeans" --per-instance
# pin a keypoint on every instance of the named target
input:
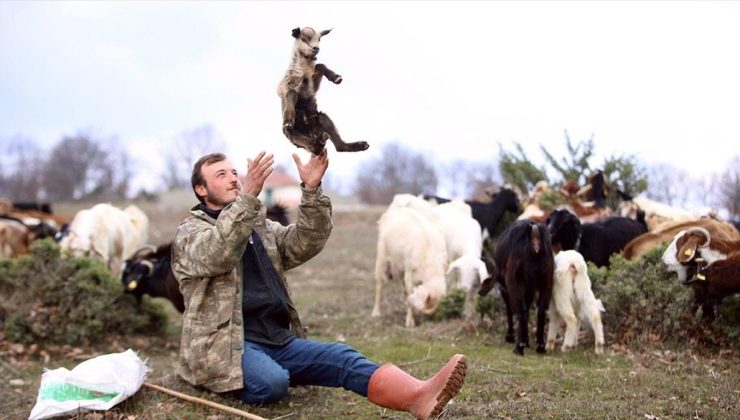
(269, 370)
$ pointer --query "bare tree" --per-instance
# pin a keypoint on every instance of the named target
(397, 170)
(468, 180)
(670, 185)
(181, 153)
(82, 167)
(727, 189)
(21, 170)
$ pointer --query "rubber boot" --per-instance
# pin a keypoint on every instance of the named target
(390, 387)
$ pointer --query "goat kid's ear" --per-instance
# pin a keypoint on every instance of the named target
(296, 32)
(325, 31)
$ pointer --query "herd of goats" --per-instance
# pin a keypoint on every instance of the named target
(435, 246)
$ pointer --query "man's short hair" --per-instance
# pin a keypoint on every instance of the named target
(197, 177)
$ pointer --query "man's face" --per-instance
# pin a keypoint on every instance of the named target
(222, 186)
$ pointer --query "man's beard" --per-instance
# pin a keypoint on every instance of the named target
(219, 201)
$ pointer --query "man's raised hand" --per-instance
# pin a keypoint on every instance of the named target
(313, 171)
(257, 172)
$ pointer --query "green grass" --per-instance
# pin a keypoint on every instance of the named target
(334, 293)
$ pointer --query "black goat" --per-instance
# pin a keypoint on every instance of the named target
(596, 189)
(39, 230)
(148, 272)
(488, 215)
(278, 213)
(595, 241)
(42, 207)
(524, 268)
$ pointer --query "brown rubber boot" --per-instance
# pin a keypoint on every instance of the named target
(391, 387)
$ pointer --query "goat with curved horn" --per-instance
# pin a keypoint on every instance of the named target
(703, 231)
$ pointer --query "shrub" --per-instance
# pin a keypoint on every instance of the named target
(50, 299)
(450, 306)
(644, 302)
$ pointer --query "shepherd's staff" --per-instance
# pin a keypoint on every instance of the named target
(204, 402)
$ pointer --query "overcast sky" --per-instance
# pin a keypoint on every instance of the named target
(660, 80)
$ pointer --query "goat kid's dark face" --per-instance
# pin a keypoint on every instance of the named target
(307, 41)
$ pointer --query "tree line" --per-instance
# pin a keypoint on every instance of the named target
(84, 166)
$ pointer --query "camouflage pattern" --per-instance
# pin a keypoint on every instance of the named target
(206, 261)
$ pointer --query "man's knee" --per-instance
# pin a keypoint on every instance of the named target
(266, 389)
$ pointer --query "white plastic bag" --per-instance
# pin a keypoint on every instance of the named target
(95, 384)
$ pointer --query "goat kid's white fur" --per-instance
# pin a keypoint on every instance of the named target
(572, 302)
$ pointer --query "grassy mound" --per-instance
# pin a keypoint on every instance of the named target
(45, 298)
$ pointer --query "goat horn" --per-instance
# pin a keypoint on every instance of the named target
(584, 189)
(703, 232)
(151, 248)
(149, 265)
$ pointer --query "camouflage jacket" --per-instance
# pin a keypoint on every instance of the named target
(206, 261)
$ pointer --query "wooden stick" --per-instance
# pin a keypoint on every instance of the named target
(204, 402)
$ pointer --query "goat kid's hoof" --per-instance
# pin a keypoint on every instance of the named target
(599, 349)
(550, 345)
(361, 145)
(519, 350)
(541, 349)
(338, 80)
(509, 338)
(568, 349)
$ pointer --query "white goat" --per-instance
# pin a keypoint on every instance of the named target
(412, 249)
(464, 242)
(573, 302)
(107, 233)
(414, 202)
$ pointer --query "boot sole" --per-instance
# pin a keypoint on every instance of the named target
(452, 387)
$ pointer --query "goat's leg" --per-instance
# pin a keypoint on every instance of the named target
(381, 271)
(523, 341)
(326, 72)
(509, 315)
(408, 285)
(542, 303)
(289, 100)
(571, 330)
(552, 327)
(598, 328)
(327, 125)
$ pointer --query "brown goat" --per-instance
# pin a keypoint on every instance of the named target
(649, 240)
(303, 124)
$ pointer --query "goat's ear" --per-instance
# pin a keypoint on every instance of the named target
(482, 271)
(296, 32)
(687, 252)
(325, 32)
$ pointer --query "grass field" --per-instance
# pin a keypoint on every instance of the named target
(334, 294)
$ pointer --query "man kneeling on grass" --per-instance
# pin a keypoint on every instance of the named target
(240, 330)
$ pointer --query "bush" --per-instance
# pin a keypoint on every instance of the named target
(50, 299)
(450, 306)
(644, 302)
